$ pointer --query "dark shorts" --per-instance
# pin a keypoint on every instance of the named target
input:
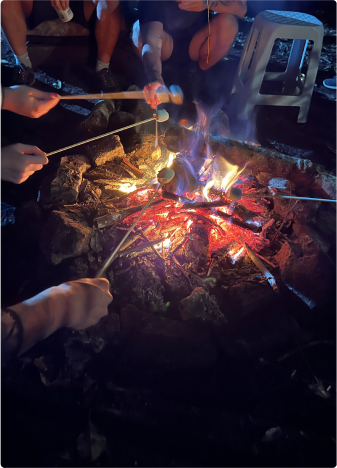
(43, 11)
(182, 37)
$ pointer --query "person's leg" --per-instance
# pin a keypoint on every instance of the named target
(14, 26)
(13, 23)
(167, 47)
(107, 29)
(224, 28)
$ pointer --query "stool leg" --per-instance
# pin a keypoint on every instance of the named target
(256, 74)
(310, 78)
(294, 66)
(247, 54)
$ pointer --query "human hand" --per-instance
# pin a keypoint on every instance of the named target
(18, 162)
(152, 92)
(60, 4)
(28, 101)
(192, 5)
(87, 302)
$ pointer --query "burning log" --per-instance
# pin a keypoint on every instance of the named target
(173, 196)
(212, 204)
(135, 237)
(139, 174)
(266, 273)
(237, 222)
(112, 219)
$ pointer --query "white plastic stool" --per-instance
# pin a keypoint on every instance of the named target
(268, 26)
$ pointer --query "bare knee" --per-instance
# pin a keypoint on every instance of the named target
(9, 8)
(227, 28)
(136, 36)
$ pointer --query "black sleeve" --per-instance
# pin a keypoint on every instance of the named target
(150, 10)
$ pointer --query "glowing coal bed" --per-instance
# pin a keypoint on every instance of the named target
(170, 218)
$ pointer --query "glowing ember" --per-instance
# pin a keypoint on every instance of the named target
(127, 188)
(189, 223)
(238, 254)
(166, 244)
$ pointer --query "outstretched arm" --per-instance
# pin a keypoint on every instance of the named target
(28, 101)
(152, 41)
(76, 304)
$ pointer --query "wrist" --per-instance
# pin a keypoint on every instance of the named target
(155, 78)
(8, 99)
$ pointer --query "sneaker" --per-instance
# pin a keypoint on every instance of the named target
(23, 75)
(330, 83)
(106, 81)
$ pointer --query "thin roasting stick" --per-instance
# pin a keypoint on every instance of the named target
(266, 273)
(99, 136)
(209, 31)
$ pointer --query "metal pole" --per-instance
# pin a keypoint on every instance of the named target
(100, 136)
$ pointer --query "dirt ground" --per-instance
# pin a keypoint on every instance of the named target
(247, 411)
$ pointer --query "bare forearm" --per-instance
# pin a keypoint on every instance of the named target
(152, 62)
(8, 99)
(38, 318)
(235, 7)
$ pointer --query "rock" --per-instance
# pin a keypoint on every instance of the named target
(247, 297)
(62, 237)
(90, 193)
(104, 150)
(64, 188)
(263, 177)
(155, 341)
(28, 223)
(279, 185)
(97, 121)
(107, 330)
(130, 138)
(325, 185)
(200, 305)
(303, 231)
(304, 269)
(142, 284)
(302, 212)
(139, 108)
(58, 28)
(78, 267)
(326, 219)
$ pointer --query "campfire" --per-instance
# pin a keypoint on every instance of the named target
(196, 234)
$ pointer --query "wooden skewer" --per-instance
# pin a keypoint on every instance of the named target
(121, 95)
(173, 94)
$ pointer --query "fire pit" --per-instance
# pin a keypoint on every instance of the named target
(194, 249)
